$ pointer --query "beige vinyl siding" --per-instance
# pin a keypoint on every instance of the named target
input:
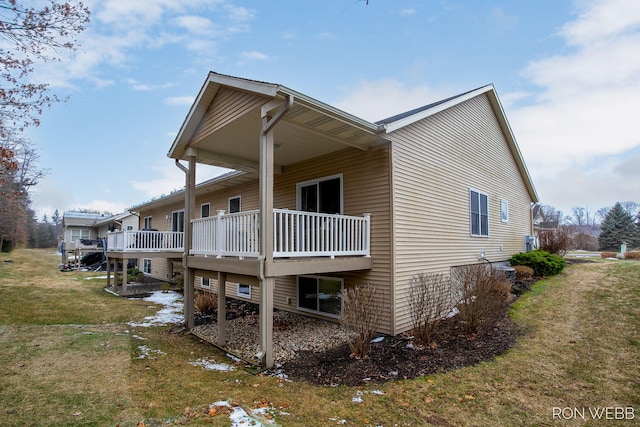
(365, 190)
(365, 179)
(161, 268)
(228, 105)
(437, 161)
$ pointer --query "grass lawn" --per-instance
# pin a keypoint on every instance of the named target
(68, 357)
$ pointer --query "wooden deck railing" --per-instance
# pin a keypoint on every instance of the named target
(145, 241)
(296, 234)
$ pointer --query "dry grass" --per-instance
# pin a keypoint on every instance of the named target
(578, 347)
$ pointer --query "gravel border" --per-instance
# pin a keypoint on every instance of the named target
(292, 332)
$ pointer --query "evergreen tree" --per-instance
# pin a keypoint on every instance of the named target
(618, 227)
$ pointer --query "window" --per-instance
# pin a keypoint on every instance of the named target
(320, 295)
(244, 291)
(235, 204)
(322, 195)
(205, 210)
(177, 220)
(204, 283)
(479, 213)
(146, 266)
(504, 210)
(80, 233)
(147, 222)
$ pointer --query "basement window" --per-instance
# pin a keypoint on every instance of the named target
(146, 266)
(320, 295)
(244, 291)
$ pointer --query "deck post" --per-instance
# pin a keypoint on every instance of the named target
(266, 237)
(190, 203)
(222, 308)
(124, 277)
(108, 272)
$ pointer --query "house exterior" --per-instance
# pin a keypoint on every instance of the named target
(321, 200)
(82, 226)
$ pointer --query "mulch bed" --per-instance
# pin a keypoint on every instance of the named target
(395, 357)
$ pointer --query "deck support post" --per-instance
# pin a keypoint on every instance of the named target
(108, 273)
(190, 203)
(124, 277)
(222, 308)
(267, 227)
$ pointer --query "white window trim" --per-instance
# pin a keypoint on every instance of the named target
(80, 232)
(504, 210)
(471, 213)
(299, 186)
(146, 262)
(239, 203)
(184, 219)
(144, 222)
(321, 313)
(241, 294)
(201, 283)
(203, 205)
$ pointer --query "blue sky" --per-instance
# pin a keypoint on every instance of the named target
(567, 73)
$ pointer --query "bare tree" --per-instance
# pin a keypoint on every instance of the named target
(18, 173)
(33, 34)
(581, 215)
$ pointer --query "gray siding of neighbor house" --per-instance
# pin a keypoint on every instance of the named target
(436, 162)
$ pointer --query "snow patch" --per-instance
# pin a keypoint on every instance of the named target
(146, 352)
(211, 365)
(170, 313)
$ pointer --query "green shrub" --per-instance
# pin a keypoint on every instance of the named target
(543, 263)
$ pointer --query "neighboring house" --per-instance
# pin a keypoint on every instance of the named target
(81, 230)
(323, 200)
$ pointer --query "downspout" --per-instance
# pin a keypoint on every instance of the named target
(265, 129)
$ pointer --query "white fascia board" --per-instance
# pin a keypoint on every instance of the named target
(207, 92)
(405, 121)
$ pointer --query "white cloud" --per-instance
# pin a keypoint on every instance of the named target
(601, 19)
(120, 28)
(196, 24)
(376, 100)
(578, 132)
(136, 85)
(166, 178)
(255, 55)
(179, 101)
(589, 97)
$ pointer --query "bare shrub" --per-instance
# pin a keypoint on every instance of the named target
(608, 254)
(361, 309)
(482, 293)
(555, 242)
(206, 302)
(632, 255)
(523, 272)
(429, 303)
